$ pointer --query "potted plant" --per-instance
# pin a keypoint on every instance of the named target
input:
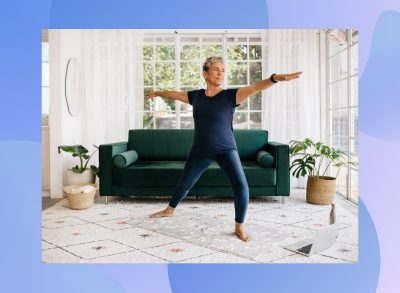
(80, 174)
(313, 159)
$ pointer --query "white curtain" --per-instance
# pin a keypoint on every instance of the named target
(112, 65)
(291, 110)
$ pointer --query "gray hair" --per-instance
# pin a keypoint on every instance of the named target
(210, 60)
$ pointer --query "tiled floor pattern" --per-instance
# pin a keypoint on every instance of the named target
(201, 231)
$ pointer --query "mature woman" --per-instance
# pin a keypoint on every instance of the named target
(213, 110)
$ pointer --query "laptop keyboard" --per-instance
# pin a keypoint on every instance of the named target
(306, 249)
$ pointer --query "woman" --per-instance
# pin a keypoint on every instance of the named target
(213, 110)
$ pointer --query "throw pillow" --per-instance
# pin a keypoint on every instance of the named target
(124, 159)
(265, 159)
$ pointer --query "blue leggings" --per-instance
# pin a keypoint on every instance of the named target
(229, 162)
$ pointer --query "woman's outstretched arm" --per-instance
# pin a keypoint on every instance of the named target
(171, 95)
(248, 91)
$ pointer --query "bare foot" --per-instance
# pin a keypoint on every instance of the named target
(168, 212)
(239, 231)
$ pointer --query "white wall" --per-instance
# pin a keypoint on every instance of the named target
(64, 129)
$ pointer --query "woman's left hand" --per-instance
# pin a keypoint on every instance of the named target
(287, 77)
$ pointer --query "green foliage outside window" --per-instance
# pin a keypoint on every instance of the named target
(159, 74)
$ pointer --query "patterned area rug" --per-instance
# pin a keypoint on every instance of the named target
(201, 231)
(214, 233)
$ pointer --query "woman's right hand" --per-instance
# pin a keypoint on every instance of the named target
(150, 95)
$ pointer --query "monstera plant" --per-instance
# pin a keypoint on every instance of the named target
(313, 159)
(80, 173)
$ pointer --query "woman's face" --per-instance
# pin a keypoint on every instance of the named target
(215, 74)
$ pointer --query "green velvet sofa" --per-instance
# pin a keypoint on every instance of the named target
(159, 159)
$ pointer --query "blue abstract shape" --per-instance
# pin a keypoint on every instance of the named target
(21, 267)
(380, 83)
(20, 78)
(156, 14)
(359, 277)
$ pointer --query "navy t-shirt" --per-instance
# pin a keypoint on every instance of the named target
(213, 121)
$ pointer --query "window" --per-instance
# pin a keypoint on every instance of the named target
(174, 62)
(45, 74)
(343, 105)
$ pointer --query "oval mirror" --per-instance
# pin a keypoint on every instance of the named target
(73, 90)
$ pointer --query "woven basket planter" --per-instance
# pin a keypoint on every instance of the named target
(81, 201)
(321, 190)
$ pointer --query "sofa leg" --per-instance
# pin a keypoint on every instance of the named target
(283, 199)
(106, 199)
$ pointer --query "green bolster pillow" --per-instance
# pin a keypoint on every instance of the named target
(124, 159)
(265, 159)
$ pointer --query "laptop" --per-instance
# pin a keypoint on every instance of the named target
(324, 239)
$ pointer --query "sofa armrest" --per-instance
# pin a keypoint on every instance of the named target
(280, 152)
(106, 154)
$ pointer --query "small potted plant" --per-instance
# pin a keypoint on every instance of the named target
(313, 159)
(80, 174)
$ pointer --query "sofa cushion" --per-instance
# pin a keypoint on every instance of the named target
(161, 144)
(168, 173)
(175, 144)
(265, 159)
(124, 159)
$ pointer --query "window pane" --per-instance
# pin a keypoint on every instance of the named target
(354, 122)
(45, 100)
(352, 145)
(184, 106)
(354, 36)
(190, 73)
(255, 52)
(164, 105)
(354, 91)
(339, 66)
(255, 101)
(337, 41)
(237, 52)
(211, 50)
(148, 53)
(335, 46)
(165, 74)
(243, 105)
(354, 59)
(354, 159)
(255, 72)
(187, 119)
(189, 39)
(148, 120)
(340, 129)
(212, 39)
(255, 120)
(354, 148)
(342, 180)
(255, 39)
(354, 185)
(165, 39)
(165, 120)
(240, 120)
(148, 69)
(148, 103)
(339, 94)
(190, 52)
(237, 73)
(165, 52)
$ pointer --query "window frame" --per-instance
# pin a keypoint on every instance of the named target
(350, 75)
(180, 39)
